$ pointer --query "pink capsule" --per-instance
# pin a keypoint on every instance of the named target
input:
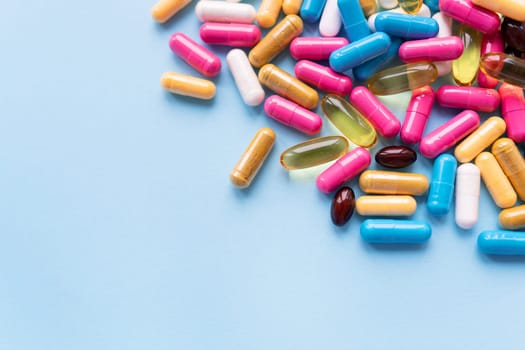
(490, 43)
(315, 48)
(465, 11)
(344, 169)
(513, 111)
(433, 49)
(417, 114)
(230, 34)
(448, 134)
(383, 120)
(468, 97)
(196, 55)
(293, 115)
(323, 78)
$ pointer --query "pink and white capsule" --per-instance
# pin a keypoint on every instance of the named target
(323, 78)
(344, 169)
(448, 134)
(433, 49)
(291, 114)
(230, 34)
(315, 48)
(468, 97)
(490, 43)
(513, 111)
(330, 22)
(417, 114)
(196, 55)
(465, 11)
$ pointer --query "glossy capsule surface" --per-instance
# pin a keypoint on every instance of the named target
(467, 195)
(186, 85)
(513, 111)
(314, 152)
(245, 78)
(507, 68)
(512, 163)
(433, 49)
(495, 180)
(512, 218)
(196, 55)
(513, 33)
(323, 77)
(445, 30)
(396, 156)
(514, 9)
(502, 242)
(386, 205)
(432, 4)
(390, 231)
(359, 51)
(411, 6)
(343, 205)
(490, 43)
(268, 12)
(311, 10)
(393, 182)
(468, 97)
(481, 138)
(464, 11)
(330, 23)
(465, 68)
(225, 12)
(344, 169)
(441, 190)
(417, 114)
(402, 78)
(293, 115)
(366, 69)
(163, 10)
(230, 34)
(406, 26)
(354, 20)
(291, 7)
(315, 48)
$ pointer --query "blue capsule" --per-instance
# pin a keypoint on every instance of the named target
(365, 70)
(406, 26)
(354, 21)
(360, 51)
(389, 231)
(311, 10)
(441, 189)
(502, 242)
(433, 5)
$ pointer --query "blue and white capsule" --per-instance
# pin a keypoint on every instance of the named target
(367, 69)
(354, 21)
(406, 26)
(502, 242)
(360, 51)
(311, 10)
(391, 231)
(441, 190)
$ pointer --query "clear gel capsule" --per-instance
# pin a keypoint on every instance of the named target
(465, 68)
(495, 180)
(354, 20)
(163, 10)
(344, 169)
(417, 114)
(502, 242)
(490, 43)
(359, 52)
(512, 163)
(369, 7)
(481, 138)
(323, 78)
(507, 68)
(467, 195)
(411, 6)
(185, 85)
(468, 97)
(268, 12)
(390, 231)
(293, 115)
(330, 23)
(433, 49)
(514, 9)
(315, 48)
(225, 12)
(406, 26)
(386, 205)
(393, 182)
(365, 70)
(512, 218)
(314, 152)
(196, 55)
(513, 111)
(402, 78)
(464, 11)
(291, 7)
(311, 10)
(245, 78)
(230, 34)
(441, 190)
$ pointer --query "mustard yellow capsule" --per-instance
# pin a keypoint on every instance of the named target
(165, 9)
(512, 163)
(276, 40)
(494, 178)
(393, 182)
(292, 7)
(288, 86)
(480, 139)
(512, 218)
(465, 68)
(268, 12)
(386, 205)
(186, 85)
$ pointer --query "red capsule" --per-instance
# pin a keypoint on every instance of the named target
(343, 205)
(396, 157)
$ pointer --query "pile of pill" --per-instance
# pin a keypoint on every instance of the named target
(478, 42)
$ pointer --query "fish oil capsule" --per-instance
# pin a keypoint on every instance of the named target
(314, 152)
(268, 12)
(406, 77)
(276, 40)
(406, 26)
(330, 23)
(396, 157)
(502, 242)
(513, 111)
(230, 34)
(504, 67)
(196, 55)
(344, 169)
(293, 115)
(494, 178)
(423, 11)
(343, 206)
(441, 190)
(467, 195)
(417, 114)
(390, 231)
(465, 68)
(388, 4)
(291, 7)
(345, 118)
(512, 163)
(386, 205)
(323, 77)
(490, 43)
(311, 10)
(366, 69)
(369, 7)
(481, 138)
(314, 48)
(354, 20)
(449, 134)
(186, 85)
(433, 49)
(411, 6)
(165, 9)
(514, 9)
(512, 218)
(245, 78)
(359, 51)
(393, 182)
(288, 86)
(467, 97)
(253, 157)
(225, 12)
(445, 30)
(514, 34)
(464, 11)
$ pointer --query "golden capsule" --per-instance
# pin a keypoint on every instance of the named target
(386, 205)
(369, 7)
(291, 7)
(480, 139)
(494, 178)
(411, 6)
(393, 182)
(512, 163)
(314, 152)
(186, 85)
(507, 68)
(165, 9)
(465, 68)
(405, 77)
(268, 12)
(512, 218)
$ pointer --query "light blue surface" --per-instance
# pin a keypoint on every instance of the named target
(120, 229)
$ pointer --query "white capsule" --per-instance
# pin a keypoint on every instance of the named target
(372, 21)
(445, 29)
(388, 4)
(330, 23)
(467, 195)
(245, 78)
(424, 11)
(227, 12)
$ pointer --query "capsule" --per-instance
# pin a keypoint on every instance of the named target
(393, 182)
(481, 138)
(464, 11)
(467, 195)
(396, 157)
(291, 7)
(386, 205)
(163, 10)
(502, 242)
(406, 26)
(293, 115)
(465, 68)
(314, 48)
(276, 40)
(423, 11)
(514, 9)
(253, 158)
(513, 111)
(449, 134)
(388, 4)
(323, 77)
(268, 12)
(345, 118)
(390, 231)
(495, 180)
(417, 114)
(383, 120)
(445, 30)
(512, 163)
(490, 43)
(432, 4)
(230, 34)
(344, 169)
(507, 68)
(512, 218)
(434, 49)
(196, 55)
(406, 77)
(245, 78)
(359, 52)
(513, 33)
(468, 97)
(330, 23)
(369, 7)
(411, 6)
(343, 205)
(186, 85)
(225, 12)
(441, 190)
(366, 69)
(354, 20)
(311, 10)
(314, 152)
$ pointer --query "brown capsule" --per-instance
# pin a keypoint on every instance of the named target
(396, 157)
(343, 206)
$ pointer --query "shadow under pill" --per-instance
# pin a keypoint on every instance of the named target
(383, 247)
(501, 259)
(190, 101)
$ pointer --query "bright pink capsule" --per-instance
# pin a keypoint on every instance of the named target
(293, 115)
(433, 49)
(344, 169)
(315, 48)
(490, 43)
(417, 114)
(448, 134)
(468, 97)
(465, 11)
(196, 55)
(323, 78)
(513, 111)
(230, 34)
(383, 120)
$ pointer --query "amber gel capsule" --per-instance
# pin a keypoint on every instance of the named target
(343, 206)
(393, 182)
(314, 152)
(494, 178)
(512, 218)
(410, 6)
(465, 68)
(480, 139)
(186, 85)
(507, 68)
(512, 163)
(402, 78)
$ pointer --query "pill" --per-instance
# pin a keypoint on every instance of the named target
(344, 169)
(291, 7)
(502, 242)
(268, 12)
(311, 10)
(343, 205)
(512, 163)
(348, 121)
(410, 6)
(464, 11)
(388, 4)
(196, 55)
(225, 12)
(366, 69)
(512, 218)
(288, 86)
(468, 97)
(393, 182)
(481, 138)
(506, 68)
(433, 49)
(490, 43)
(495, 180)
(330, 23)
(314, 48)
(369, 7)
(359, 51)
(432, 4)
(513, 111)
(401, 78)
(163, 10)
(467, 195)
(230, 34)
(514, 9)
(245, 78)
(253, 158)
(445, 30)
(406, 26)
(293, 115)
(276, 40)
(417, 114)
(323, 77)
(514, 33)
(441, 189)
(391, 231)
(386, 205)
(423, 11)
(465, 68)
(396, 156)
(354, 21)
(186, 85)
(449, 134)
(314, 152)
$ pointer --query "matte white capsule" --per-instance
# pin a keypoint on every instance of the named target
(245, 78)
(226, 12)
(330, 23)
(445, 29)
(467, 195)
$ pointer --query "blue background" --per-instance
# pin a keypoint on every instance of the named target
(120, 229)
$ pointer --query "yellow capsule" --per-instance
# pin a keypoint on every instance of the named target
(268, 12)
(186, 85)
(405, 77)
(276, 40)
(253, 158)
(386, 205)
(494, 178)
(292, 7)
(480, 139)
(514, 9)
(369, 7)
(393, 182)
(165, 9)
(411, 6)
(512, 163)
(465, 68)
(288, 86)
(512, 218)
(507, 68)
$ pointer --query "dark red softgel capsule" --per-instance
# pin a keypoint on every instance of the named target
(513, 33)
(396, 156)
(343, 206)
